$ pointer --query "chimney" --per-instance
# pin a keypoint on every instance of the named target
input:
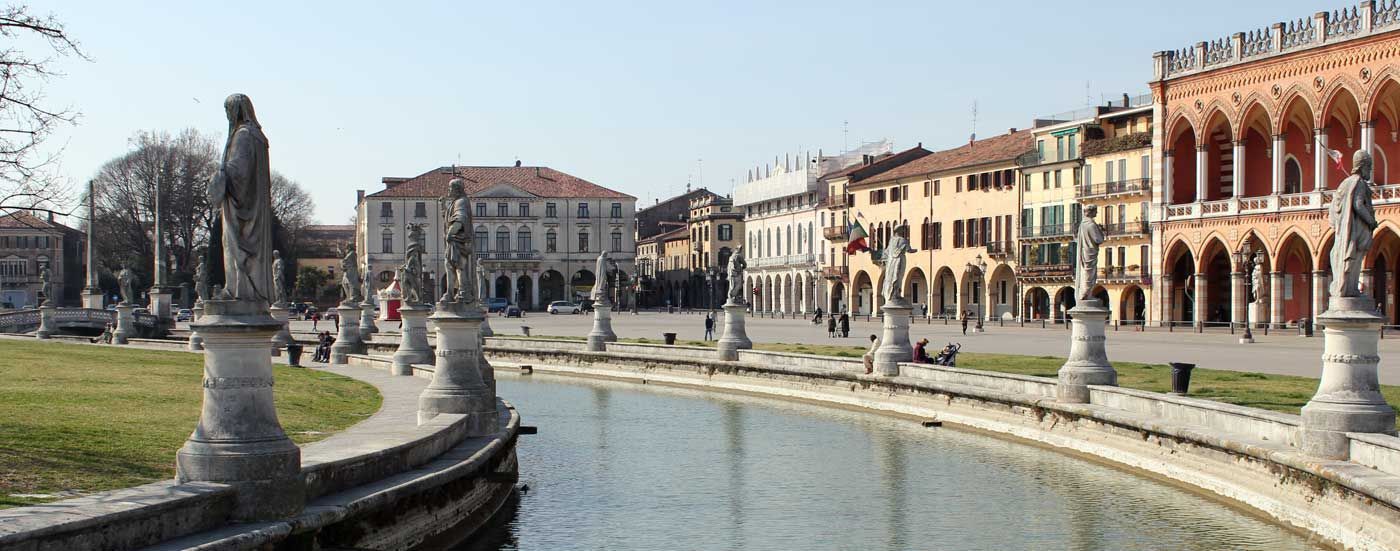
(537, 169)
(359, 196)
(50, 217)
(517, 163)
(1125, 99)
(1011, 130)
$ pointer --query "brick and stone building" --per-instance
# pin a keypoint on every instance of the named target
(716, 231)
(1118, 180)
(28, 243)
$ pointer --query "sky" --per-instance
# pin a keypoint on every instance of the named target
(642, 97)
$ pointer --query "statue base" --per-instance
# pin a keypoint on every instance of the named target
(367, 326)
(458, 384)
(93, 298)
(162, 298)
(196, 340)
(602, 332)
(413, 341)
(486, 327)
(46, 330)
(894, 344)
(238, 440)
(126, 324)
(1348, 397)
(734, 337)
(347, 340)
(284, 335)
(1088, 360)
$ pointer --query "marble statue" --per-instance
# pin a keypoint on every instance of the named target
(46, 285)
(1353, 221)
(1087, 240)
(241, 190)
(368, 283)
(892, 262)
(600, 278)
(460, 257)
(350, 276)
(411, 272)
(737, 265)
(279, 289)
(480, 274)
(1258, 278)
(126, 280)
(201, 281)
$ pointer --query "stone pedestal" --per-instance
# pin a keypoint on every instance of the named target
(602, 332)
(92, 298)
(46, 328)
(196, 340)
(238, 440)
(347, 340)
(283, 337)
(126, 324)
(486, 326)
(894, 344)
(1348, 398)
(161, 300)
(1088, 360)
(367, 326)
(458, 385)
(413, 341)
(734, 338)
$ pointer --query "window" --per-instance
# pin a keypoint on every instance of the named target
(1108, 257)
(726, 232)
(551, 242)
(583, 241)
(502, 239)
(1142, 258)
(938, 235)
(957, 234)
(583, 212)
(1059, 148)
(927, 188)
(386, 243)
(904, 192)
(1122, 170)
(935, 186)
(1070, 152)
(1045, 180)
(1088, 175)
(1040, 150)
(1146, 167)
(502, 209)
(12, 268)
(550, 211)
(617, 242)
(1108, 172)
(420, 210)
(524, 210)
(386, 210)
(616, 210)
(481, 209)
(1057, 178)
(522, 241)
(958, 187)
(481, 238)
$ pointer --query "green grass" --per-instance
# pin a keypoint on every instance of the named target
(78, 418)
(1283, 393)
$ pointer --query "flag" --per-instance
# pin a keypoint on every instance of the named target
(1333, 154)
(856, 241)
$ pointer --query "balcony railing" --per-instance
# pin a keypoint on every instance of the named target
(1125, 228)
(1000, 248)
(509, 255)
(834, 201)
(1052, 230)
(836, 233)
(835, 272)
(1046, 270)
(1105, 189)
(784, 260)
(1124, 274)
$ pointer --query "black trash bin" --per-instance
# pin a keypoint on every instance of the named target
(670, 338)
(294, 354)
(1181, 377)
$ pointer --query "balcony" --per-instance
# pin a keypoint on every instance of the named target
(793, 260)
(1000, 249)
(1112, 189)
(509, 255)
(836, 233)
(1125, 229)
(1124, 274)
(1046, 273)
(839, 273)
(1052, 231)
(834, 202)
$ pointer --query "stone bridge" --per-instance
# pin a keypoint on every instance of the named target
(80, 321)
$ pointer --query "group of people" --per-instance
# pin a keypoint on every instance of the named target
(946, 357)
(837, 325)
(323, 347)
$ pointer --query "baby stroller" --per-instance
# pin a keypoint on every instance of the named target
(948, 356)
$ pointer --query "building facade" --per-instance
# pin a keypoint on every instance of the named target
(1117, 180)
(537, 231)
(28, 244)
(716, 231)
(1245, 123)
(1050, 214)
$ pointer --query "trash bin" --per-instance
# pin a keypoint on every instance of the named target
(294, 354)
(1181, 377)
(1305, 329)
(525, 329)
(670, 338)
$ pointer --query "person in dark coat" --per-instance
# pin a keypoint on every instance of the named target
(709, 327)
(965, 317)
(845, 325)
(831, 326)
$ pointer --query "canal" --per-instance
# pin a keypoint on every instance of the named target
(619, 466)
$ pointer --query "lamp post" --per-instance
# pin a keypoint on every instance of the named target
(1245, 260)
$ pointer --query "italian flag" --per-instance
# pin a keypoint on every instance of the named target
(1333, 154)
(856, 241)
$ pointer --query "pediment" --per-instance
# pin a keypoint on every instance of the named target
(504, 190)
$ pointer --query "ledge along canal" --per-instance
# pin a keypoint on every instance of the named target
(620, 466)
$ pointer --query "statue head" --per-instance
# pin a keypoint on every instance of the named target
(1091, 211)
(1361, 164)
(902, 230)
(240, 110)
(276, 254)
(456, 188)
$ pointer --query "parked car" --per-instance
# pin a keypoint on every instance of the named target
(564, 307)
(496, 304)
(184, 314)
(513, 311)
(111, 307)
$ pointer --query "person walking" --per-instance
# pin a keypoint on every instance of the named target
(966, 315)
(869, 357)
(845, 325)
(315, 319)
(831, 326)
(709, 327)
(337, 323)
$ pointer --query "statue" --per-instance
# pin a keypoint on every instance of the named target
(460, 257)
(1258, 279)
(1088, 239)
(126, 279)
(1353, 221)
(600, 279)
(410, 274)
(201, 281)
(737, 265)
(365, 280)
(350, 276)
(892, 263)
(46, 285)
(279, 290)
(242, 192)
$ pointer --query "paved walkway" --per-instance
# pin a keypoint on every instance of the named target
(1281, 352)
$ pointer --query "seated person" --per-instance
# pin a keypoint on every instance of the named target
(921, 352)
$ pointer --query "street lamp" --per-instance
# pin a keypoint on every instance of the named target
(1245, 260)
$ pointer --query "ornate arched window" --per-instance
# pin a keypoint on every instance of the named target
(523, 241)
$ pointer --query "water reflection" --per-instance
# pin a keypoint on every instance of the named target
(619, 466)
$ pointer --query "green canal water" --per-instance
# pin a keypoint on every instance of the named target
(619, 466)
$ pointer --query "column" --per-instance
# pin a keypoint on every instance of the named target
(1389, 306)
(1320, 279)
(514, 297)
(1238, 302)
(1199, 307)
(1166, 297)
(1277, 162)
(92, 294)
(1276, 299)
(1237, 162)
(1201, 160)
(535, 289)
(1168, 169)
(990, 305)
(1320, 160)
(1368, 136)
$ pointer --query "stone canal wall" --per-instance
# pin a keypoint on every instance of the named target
(1248, 456)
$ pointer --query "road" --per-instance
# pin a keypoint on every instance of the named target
(1282, 353)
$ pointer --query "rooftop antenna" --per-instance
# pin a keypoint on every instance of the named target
(700, 171)
(1088, 97)
(973, 138)
(845, 134)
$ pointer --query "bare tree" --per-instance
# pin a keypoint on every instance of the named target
(26, 176)
(293, 207)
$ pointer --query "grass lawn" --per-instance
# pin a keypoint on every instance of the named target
(81, 418)
(1283, 393)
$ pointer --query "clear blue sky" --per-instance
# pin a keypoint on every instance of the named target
(627, 95)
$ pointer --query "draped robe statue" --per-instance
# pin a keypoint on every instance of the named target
(737, 265)
(201, 281)
(350, 276)
(126, 280)
(411, 272)
(892, 262)
(600, 279)
(1258, 279)
(46, 285)
(1088, 239)
(279, 289)
(1353, 221)
(242, 192)
(368, 284)
(460, 257)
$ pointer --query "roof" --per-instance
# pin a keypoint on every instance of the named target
(879, 165)
(682, 232)
(540, 181)
(19, 219)
(1000, 148)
